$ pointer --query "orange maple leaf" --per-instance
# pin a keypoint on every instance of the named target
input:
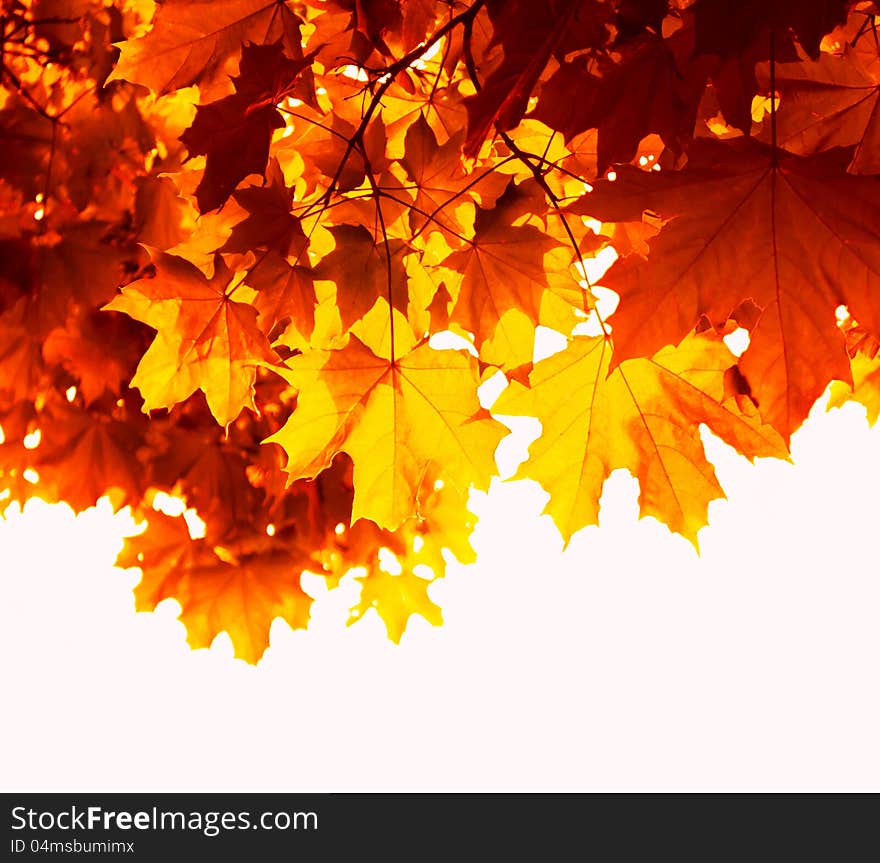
(197, 43)
(205, 339)
(506, 267)
(237, 594)
(361, 268)
(833, 101)
(795, 236)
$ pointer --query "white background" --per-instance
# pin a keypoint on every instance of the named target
(626, 663)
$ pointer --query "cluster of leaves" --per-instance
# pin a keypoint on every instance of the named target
(259, 256)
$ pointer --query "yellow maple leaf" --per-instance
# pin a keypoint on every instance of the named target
(394, 418)
(644, 417)
(399, 566)
(396, 598)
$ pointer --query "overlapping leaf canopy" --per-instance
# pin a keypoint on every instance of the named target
(260, 256)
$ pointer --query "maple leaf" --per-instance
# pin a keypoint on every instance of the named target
(386, 23)
(159, 213)
(97, 349)
(286, 293)
(529, 34)
(88, 454)
(758, 31)
(864, 352)
(625, 99)
(80, 265)
(644, 417)
(396, 598)
(240, 597)
(833, 101)
(865, 387)
(418, 16)
(442, 184)
(269, 225)
(195, 41)
(160, 552)
(394, 418)
(205, 339)
(234, 131)
(321, 144)
(211, 472)
(506, 267)
(21, 367)
(375, 19)
(796, 237)
(409, 560)
(363, 270)
(86, 155)
(25, 146)
(719, 32)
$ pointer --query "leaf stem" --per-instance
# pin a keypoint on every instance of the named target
(377, 193)
(773, 94)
